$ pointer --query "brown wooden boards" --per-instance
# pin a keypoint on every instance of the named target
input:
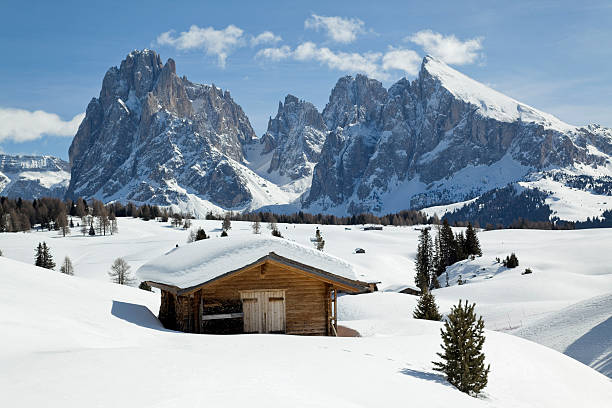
(264, 310)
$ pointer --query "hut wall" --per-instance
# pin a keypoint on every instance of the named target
(305, 297)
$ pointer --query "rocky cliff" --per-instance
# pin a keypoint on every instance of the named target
(32, 177)
(152, 136)
(439, 139)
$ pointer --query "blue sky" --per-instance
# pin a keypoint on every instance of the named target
(553, 55)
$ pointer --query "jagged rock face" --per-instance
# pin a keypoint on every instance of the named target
(295, 136)
(420, 143)
(153, 137)
(31, 177)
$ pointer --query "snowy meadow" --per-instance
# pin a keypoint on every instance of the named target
(70, 339)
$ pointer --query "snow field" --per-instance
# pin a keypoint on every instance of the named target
(71, 341)
(568, 267)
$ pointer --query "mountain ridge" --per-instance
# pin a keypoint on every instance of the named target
(154, 137)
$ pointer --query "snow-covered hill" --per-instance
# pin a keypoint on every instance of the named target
(68, 341)
(568, 267)
(32, 177)
(582, 331)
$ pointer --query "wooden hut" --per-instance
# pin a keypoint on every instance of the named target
(250, 285)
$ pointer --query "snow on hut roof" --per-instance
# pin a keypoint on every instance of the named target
(204, 260)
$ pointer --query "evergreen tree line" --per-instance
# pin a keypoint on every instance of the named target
(402, 218)
(434, 256)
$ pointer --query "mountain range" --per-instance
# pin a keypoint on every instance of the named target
(439, 141)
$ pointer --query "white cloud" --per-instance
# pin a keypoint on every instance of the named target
(267, 37)
(274, 54)
(20, 125)
(448, 48)
(401, 59)
(341, 30)
(219, 43)
(367, 63)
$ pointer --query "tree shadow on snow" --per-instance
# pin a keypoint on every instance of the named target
(437, 378)
(136, 314)
(592, 348)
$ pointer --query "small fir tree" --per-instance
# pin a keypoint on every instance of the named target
(67, 267)
(511, 261)
(120, 272)
(424, 261)
(224, 233)
(200, 235)
(462, 356)
(472, 245)
(44, 258)
(38, 261)
(426, 308)
(276, 233)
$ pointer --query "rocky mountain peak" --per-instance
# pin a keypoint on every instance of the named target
(152, 135)
(295, 136)
(352, 100)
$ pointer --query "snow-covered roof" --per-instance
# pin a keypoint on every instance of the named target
(204, 260)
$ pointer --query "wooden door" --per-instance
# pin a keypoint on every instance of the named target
(263, 311)
(251, 309)
(274, 311)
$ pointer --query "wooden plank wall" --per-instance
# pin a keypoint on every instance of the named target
(305, 297)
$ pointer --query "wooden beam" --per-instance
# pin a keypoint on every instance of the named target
(223, 316)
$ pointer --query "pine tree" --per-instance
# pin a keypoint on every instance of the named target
(462, 341)
(320, 242)
(426, 308)
(511, 261)
(67, 267)
(200, 235)
(92, 231)
(424, 261)
(120, 272)
(39, 256)
(460, 247)
(447, 254)
(47, 258)
(256, 227)
(472, 245)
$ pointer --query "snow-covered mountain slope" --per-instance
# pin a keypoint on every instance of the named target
(444, 138)
(94, 336)
(32, 177)
(581, 331)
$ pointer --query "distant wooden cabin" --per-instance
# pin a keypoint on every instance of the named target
(250, 285)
